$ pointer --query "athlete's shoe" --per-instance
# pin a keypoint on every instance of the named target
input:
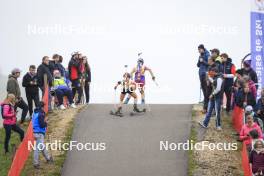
(136, 108)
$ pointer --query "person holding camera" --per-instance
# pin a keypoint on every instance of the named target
(13, 88)
(30, 80)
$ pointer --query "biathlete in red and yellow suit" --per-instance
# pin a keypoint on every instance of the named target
(139, 78)
(128, 87)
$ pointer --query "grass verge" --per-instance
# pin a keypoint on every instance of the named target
(193, 137)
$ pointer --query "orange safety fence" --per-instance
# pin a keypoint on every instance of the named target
(245, 161)
(237, 118)
(23, 151)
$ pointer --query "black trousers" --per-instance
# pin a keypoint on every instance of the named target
(228, 93)
(204, 90)
(76, 87)
(87, 91)
(8, 129)
(30, 98)
(22, 105)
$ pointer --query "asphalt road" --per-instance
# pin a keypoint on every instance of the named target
(132, 143)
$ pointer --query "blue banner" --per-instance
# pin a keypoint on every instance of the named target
(257, 52)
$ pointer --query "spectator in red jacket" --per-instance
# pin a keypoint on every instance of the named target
(75, 75)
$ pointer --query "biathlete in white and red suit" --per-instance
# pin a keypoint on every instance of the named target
(128, 87)
(139, 78)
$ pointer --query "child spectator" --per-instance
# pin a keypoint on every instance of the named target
(39, 122)
(30, 82)
(13, 88)
(246, 128)
(9, 116)
(62, 89)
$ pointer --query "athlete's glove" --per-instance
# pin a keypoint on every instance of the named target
(153, 78)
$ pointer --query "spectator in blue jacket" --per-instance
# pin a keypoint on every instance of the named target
(39, 122)
(57, 64)
(203, 68)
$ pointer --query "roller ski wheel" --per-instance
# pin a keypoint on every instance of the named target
(138, 112)
(116, 114)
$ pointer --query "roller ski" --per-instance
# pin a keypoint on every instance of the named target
(117, 113)
(136, 111)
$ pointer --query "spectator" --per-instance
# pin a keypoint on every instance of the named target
(61, 90)
(251, 85)
(256, 158)
(249, 109)
(30, 82)
(57, 60)
(86, 75)
(215, 99)
(245, 97)
(238, 85)
(45, 69)
(247, 70)
(229, 71)
(13, 88)
(209, 88)
(215, 53)
(260, 106)
(254, 135)
(203, 67)
(9, 116)
(39, 123)
(246, 128)
(75, 75)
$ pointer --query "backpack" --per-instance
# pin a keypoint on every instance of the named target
(2, 109)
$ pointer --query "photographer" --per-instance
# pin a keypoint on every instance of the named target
(13, 88)
(31, 86)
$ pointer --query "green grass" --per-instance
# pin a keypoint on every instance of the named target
(193, 136)
(6, 159)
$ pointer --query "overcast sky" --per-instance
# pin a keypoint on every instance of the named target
(111, 33)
